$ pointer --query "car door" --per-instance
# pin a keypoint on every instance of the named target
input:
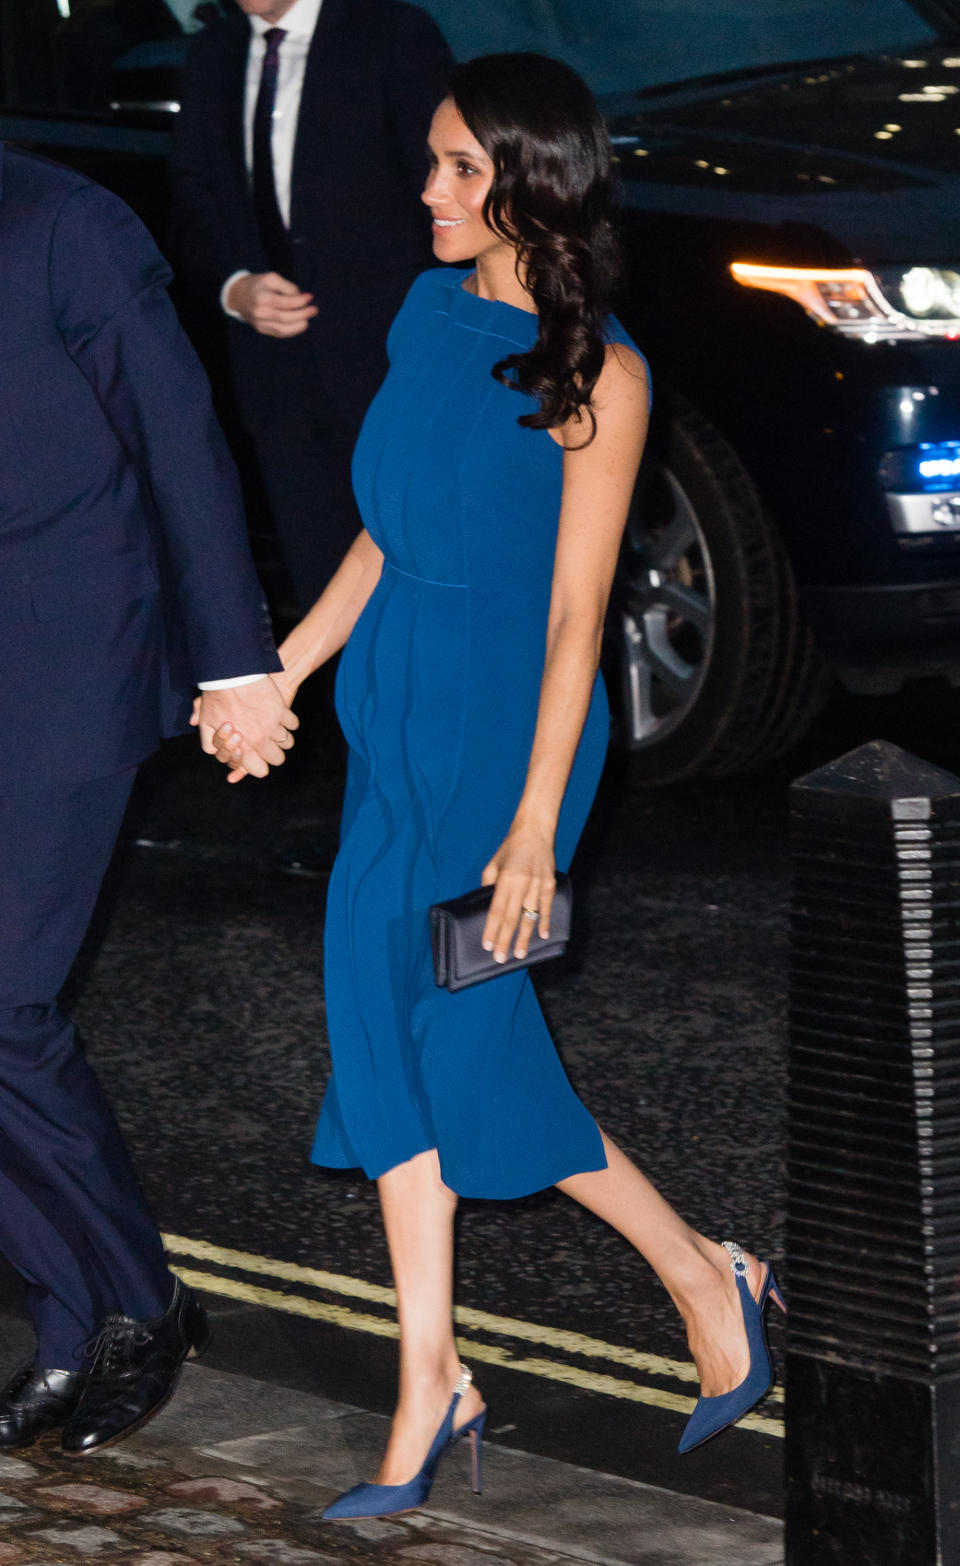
(93, 83)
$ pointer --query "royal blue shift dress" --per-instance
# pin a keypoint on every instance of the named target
(437, 692)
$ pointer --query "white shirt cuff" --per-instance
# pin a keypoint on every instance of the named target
(233, 314)
(229, 685)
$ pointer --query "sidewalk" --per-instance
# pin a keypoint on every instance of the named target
(238, 1471)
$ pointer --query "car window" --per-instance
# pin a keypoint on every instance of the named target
(619, 45)
(65, 55)
(84, 55)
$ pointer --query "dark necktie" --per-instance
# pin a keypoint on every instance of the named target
(273, 230)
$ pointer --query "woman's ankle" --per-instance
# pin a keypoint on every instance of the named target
(428, 1382)
(700, 1279)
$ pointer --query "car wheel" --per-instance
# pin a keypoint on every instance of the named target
(716, 671)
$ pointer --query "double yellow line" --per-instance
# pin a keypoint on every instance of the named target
(568, 1347)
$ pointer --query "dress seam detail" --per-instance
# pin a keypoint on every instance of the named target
(480, 331)
(428, 581)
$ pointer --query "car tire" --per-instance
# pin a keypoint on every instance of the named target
(716, 671)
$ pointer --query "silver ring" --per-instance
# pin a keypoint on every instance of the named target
(530, 913)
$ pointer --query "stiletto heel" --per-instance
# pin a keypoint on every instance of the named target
(383, 1500)
(474, 1431)
(713, 1414)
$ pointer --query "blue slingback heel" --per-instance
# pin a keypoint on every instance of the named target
(382, 1500)
(713, 1414)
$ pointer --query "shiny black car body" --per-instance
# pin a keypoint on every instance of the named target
(814, 428)
(798, 517)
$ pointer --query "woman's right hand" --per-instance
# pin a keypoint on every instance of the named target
(229, 743)
(286, 684)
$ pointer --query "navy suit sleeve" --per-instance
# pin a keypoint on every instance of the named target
(196, 232)
(417, 78)
(108, 288)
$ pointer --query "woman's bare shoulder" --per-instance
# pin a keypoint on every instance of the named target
(625, 377)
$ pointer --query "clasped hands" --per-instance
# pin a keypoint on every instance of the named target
(248, 727)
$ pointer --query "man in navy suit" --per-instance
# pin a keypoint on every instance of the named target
(298, 162)
(125, 579)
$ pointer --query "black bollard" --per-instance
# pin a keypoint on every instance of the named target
(873, 1205)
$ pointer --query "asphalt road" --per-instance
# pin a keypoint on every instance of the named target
(200, 997)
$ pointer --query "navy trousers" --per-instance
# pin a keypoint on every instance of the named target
(305, 467)
(72, 1218)
(304, 444)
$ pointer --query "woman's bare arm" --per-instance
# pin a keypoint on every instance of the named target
(327, 626)
(598, 482)
(321, 633)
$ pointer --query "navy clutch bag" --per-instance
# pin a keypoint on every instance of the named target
(456, 927)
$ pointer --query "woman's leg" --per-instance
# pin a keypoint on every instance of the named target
(418, 1212)
(694, 1270)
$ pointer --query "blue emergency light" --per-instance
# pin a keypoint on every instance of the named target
(938, 466)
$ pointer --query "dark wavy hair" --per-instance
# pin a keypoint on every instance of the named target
(552, 196)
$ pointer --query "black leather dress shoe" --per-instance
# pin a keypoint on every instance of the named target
(35, 1400)
(135, 1370)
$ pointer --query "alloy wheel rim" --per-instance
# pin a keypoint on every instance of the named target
(668, 616)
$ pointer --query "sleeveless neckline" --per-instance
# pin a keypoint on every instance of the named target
(495, 316)
(482, 299)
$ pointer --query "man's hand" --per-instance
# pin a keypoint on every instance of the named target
(257, 712)
(271, 304)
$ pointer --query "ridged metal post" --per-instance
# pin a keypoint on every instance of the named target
(873, 1205)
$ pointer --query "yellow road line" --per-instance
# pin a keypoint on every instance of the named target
(477, 1320)
(382, 1326)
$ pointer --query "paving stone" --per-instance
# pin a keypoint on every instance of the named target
(213, 1406)
(127, 1459)
(206, 1525)
(92, 1540)
(89, 1498)
(453, 1555)
(13, 1468)
(256, 1501)
(279, 1552)
(372, 1529)
(265, 1449)
(162, 1558)
(326, 1446)
(229, 1492)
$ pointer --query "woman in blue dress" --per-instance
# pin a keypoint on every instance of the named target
(493, 473)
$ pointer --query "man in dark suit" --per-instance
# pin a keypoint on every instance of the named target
(124, 579)
(298, 162)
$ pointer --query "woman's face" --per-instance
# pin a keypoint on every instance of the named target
(460, 176)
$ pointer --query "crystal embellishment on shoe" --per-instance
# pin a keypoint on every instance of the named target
(384, 1500)
(464, 1380)
(713, 1414)
(738, 1262)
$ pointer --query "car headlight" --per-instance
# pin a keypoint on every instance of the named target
(894, 302)
(926, 293)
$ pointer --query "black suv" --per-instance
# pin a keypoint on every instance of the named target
(793, 236)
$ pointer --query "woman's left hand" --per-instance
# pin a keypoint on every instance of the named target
(524, 872)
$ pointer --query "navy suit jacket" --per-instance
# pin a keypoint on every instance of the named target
(125, 573)
(375, 72)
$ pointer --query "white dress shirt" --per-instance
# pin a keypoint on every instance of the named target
(299, 25)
